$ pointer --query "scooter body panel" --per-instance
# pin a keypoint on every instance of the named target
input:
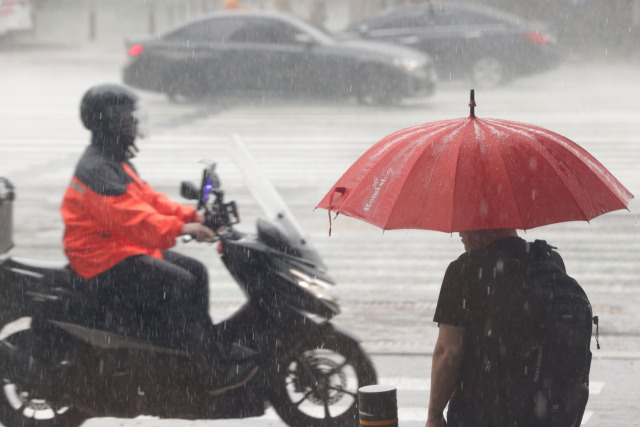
(108, 374)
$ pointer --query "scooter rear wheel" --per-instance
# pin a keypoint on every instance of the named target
(20, 406)
(317, 386)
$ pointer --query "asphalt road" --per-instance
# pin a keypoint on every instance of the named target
(388, 282)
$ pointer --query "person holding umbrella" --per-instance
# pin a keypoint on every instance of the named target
(463, 316)
(485, 247)
(485, 179)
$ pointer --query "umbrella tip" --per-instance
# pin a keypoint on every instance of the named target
(472, 103)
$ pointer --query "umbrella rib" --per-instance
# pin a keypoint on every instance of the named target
(455, 188)
(549, 160)
(416, 160)
(414, 130)
(592, 163)
(553, 165)
(603, 176)
(513, 192)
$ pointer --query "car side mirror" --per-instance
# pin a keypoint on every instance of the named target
(189, 191)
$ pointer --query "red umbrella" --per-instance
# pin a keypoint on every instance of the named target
(471, 174)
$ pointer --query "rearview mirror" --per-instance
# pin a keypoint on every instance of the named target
(189, 191)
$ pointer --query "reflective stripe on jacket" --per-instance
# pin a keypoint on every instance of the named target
(111, 214)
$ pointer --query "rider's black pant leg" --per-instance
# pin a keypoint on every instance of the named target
(199, 293)
(168, 296)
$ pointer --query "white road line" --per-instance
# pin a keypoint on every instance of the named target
(406, 383)
(410, 414)
(423, 384)
(595, 387)
(404, 414)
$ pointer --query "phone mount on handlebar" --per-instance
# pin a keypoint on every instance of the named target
(210, 198)
(223, 215)
(209, 186)
(6, 215)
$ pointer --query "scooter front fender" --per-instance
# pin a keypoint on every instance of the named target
(329, 328)
(14, 363)
(7, 355)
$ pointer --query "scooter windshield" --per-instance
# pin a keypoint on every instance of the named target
(271, 202)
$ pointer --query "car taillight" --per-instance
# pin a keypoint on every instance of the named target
(540, 39)
(136, 50)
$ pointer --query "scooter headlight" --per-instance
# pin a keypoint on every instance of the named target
(319, 288)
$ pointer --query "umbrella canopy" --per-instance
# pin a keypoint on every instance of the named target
(473, 174)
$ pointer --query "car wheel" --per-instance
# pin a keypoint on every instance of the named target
(180, 89)
(375, 88)
(488, 72)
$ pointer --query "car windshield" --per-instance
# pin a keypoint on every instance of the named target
(256, 29)
(211, 30)
(439, 14)
(318, 33)
(483, 13)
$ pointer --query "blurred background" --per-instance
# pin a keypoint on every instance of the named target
(584, 27)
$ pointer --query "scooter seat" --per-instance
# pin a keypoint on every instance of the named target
(58, 292)
(112, 315)
(40, 265)
(52, 273)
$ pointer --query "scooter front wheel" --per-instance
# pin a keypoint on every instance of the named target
(20, 405)
(317, 386)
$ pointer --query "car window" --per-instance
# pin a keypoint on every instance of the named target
(400, 18)
(265, 31)
(447, 16)
(213, 30)
(435, 14)
(444, 14)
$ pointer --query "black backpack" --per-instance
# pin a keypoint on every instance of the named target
(534, 368)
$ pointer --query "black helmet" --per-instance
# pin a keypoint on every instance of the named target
(109, 110)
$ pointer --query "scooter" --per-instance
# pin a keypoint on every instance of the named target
(63, 361)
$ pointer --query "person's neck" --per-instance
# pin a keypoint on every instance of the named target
(115, 147)
(500, 234)
(482, 238)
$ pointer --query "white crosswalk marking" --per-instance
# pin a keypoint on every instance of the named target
(422, 384)
(595, 387)
(411, 414)
(586, 417)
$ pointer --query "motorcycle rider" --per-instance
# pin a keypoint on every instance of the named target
(117, 234)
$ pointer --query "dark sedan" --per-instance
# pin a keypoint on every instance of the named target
(487, 45)
(228, 52)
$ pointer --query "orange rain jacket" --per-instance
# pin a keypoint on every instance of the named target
(111, 214)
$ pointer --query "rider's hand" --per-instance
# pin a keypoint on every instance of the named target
(200, 217)
(198, 231)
